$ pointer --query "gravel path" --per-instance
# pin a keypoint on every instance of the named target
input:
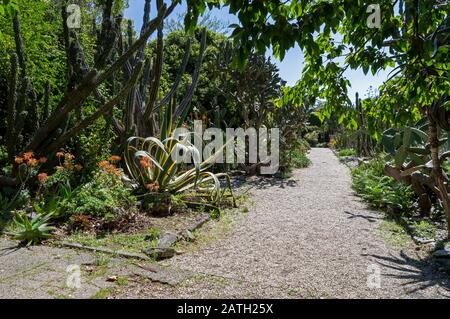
(306, 238)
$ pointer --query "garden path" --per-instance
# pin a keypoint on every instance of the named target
(307, 237)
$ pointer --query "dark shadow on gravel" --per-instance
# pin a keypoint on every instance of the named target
(370, 219)
(9, 250)
(269, 182)
(418, 274)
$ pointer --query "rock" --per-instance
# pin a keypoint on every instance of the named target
(188, 235)
(166, 275)
(120, 253)
(159, 253)
(442, 253)
(433, 246)
(422, 241)
(444, 264)
(199, 223)
(168, 240)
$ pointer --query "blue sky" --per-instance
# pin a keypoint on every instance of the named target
(290, 67)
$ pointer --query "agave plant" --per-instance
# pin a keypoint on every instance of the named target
(159, 167)
(32, 231)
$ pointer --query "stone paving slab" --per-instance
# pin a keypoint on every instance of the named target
(42, 272)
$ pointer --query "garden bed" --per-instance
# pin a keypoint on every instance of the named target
(140, 235)
(397, 201)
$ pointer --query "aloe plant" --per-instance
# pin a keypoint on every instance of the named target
(32, 231)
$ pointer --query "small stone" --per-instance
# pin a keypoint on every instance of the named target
(444, 264)
(422, 241)
(111, 279)
(442, 253)
(167, 240)
(159, 253)
(188, 235)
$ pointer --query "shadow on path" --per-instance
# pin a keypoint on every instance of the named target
(269, 182)
(9, 250)
(370, 219)
(416, 274)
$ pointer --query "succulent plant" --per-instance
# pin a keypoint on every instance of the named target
(32, 230)
(410, 151)
(151, 165)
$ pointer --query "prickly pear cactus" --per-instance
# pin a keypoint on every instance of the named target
(408, 145)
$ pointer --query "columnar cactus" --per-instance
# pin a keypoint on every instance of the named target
(12, 100)
(47, 132)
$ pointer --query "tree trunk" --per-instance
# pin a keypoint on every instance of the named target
(437, 173)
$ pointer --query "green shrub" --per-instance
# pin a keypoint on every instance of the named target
(424, 229)
(381, 191)
(302, 145)
(312, 138)
(294, 158)
(3, 154)
(99, 196)
(298, 159)
(347, 152)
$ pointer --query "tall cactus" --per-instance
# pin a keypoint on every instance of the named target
(142, 103)
(46, 132)
(49, 135)
(12, 100)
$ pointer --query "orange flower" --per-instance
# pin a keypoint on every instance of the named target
(110, 168)
(43, 160)
(152, 187)
(145, 162)
(69, 156)
(59, 168)
(103, 164)
(115, 158)
(28, 155)
(68, 165)
(60, 154)
(19, 160)
(78, 167)
(42, 177)
(32, 162)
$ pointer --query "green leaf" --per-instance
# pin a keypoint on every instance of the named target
(400, 156)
